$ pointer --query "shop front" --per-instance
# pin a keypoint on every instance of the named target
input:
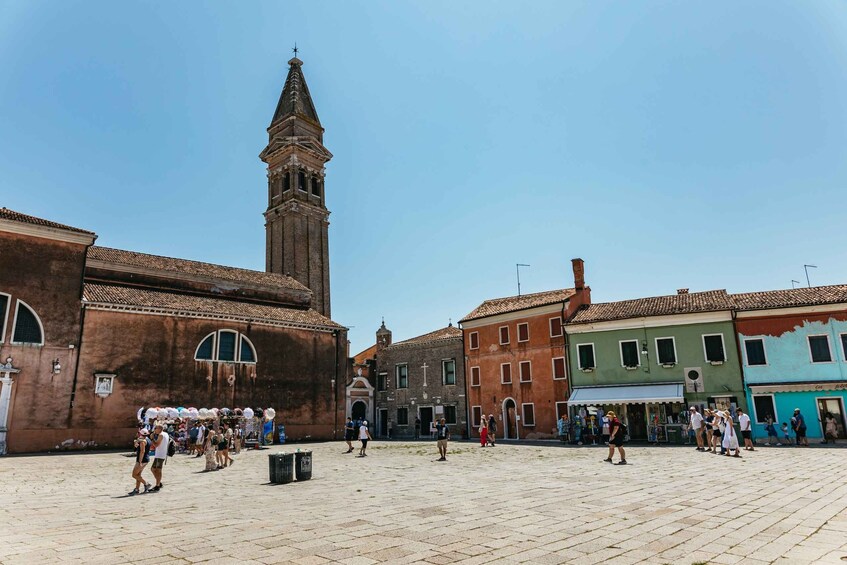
(818, 402)
(651, 412)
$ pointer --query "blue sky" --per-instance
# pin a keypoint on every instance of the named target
(668, 144)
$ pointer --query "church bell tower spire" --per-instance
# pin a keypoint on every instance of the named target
(297, 220)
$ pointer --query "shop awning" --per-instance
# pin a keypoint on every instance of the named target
(628, 394)
(810, 386)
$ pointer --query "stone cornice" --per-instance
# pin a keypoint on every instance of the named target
(46, 232)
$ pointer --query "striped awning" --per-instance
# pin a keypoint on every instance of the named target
(627, 394)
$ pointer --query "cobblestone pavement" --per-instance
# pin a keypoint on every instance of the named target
(509, 504)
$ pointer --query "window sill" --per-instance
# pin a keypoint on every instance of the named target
(587, 369)
(716, 363)
(523, 382)
(630, 368)
(668, 365)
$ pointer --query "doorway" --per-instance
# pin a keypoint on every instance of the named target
(637, 424)
(359, 411)
(510, 430)
(834, 406)
(382, 422)
(426, 420)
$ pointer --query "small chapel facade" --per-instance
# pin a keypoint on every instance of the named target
(89, 334)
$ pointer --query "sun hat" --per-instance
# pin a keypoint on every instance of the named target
(796, 409)
(143, 432)
(364, 422)
(611, 414)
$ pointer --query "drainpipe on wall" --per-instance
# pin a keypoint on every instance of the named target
(336, 335)
(734, 314)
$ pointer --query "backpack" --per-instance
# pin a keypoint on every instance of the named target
(171, 447)
(624, 430)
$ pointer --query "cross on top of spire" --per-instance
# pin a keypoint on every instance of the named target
(295, 49)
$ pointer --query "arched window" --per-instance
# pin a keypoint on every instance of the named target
(5, 300)
(227, 346)
(27, 328)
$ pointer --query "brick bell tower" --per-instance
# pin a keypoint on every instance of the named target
(297, 221)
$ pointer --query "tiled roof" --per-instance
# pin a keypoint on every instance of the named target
(7, 214)
(444, 334)
(185, 266)
(362, 356)
(215, 307)
(515, 303)
(689, 303)
(814, 296)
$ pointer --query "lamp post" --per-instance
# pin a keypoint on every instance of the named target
(6, 382)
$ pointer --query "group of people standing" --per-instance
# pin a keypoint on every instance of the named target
(715, 429)
(488, 431)
(214, 444)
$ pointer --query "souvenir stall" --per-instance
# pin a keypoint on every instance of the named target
(252, 428)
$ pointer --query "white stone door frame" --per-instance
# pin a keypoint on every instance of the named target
(6, 382)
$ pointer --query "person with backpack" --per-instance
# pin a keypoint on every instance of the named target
(160, 443)
(616, 438)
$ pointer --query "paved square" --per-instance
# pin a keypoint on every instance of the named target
(509, 504)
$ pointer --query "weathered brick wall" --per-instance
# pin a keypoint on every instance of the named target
(416, 395)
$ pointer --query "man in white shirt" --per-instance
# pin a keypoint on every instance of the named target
(695, 421)
(159, 441)
(746, 430)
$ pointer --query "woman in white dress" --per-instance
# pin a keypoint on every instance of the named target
(730, 436)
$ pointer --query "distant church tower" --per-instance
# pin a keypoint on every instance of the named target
(297, 221)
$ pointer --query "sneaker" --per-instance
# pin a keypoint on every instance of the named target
(621, 462)
(146, 487)
(156, 488)
(133, 492)
(607, 460)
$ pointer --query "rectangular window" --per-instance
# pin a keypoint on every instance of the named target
(301, 181)
(226, 346)
(402, 376)
(629, 353)
(402, 416)
(526, 371)
(666, 350)
(476, 415)
(561, 409)
(474, 339)
(523, 332)
(843, 346)
(585, 353)
(475, 380)
(448, 372)
(450, 415)
(316, 187)
(506, 373)
(559, 368)
(819, 349)
(504, 335)
(528, 414)
(556, 327)
(764, 408)
(755, 350)
(286, 182)
(713, 347)
(382, 381)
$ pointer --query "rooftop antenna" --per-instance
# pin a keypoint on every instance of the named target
(806, 267)
(518, 271)
(794, 283)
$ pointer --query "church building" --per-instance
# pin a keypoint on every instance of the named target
(90, 334)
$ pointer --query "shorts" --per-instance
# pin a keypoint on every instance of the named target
(349, 436)
(800, 433)
(716, 433)
(157, 463)
(746, 434)
(442, 443)
(617, 441)
(364, 443)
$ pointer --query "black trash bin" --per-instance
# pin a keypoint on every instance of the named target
(303, 465)
(281, 467)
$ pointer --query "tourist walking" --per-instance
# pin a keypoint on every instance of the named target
(770, 428)
(746, 429)
(830, 428)
(562, 426)
(142, 457)
(695, 424)
(786, 439)
(349, 434)
(201, 439)
(364, 436)
(209, 450)
(159, 443)
(442, 434)
(605, 428)
(417, 427)
(492, 430)
(798, 424)
(227, 440)
(730, 438)
(483, 432)
(616, 438)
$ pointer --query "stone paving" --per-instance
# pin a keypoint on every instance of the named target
(509, 504)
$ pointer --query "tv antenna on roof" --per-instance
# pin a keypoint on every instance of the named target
(794, 283)
(806, 267)
(518, 271)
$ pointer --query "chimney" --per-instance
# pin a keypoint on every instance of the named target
(682, 291)
(578, 274)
